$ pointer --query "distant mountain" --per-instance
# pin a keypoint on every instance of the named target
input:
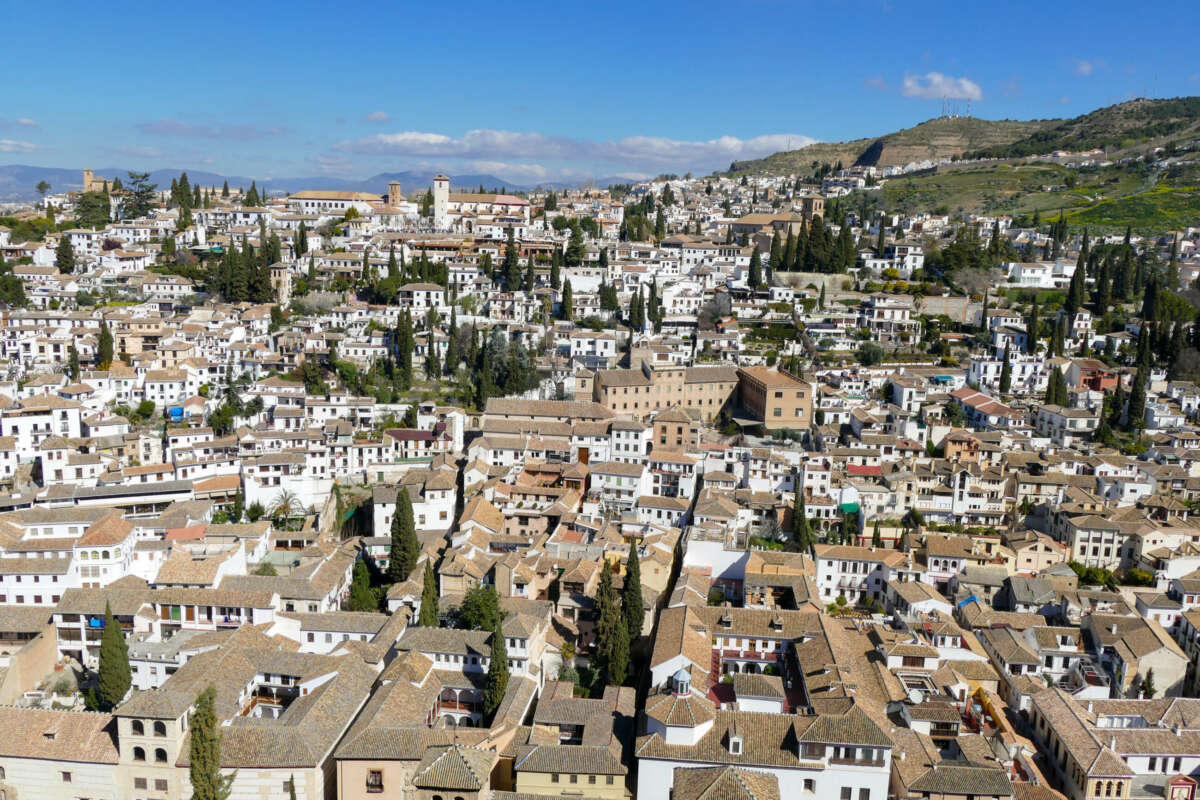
(1131, 125)
(18, 182)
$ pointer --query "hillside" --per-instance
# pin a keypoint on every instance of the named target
(1133, 124)
(1111, 128)
(935, 139)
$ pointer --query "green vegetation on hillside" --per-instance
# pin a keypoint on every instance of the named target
(1161, 208)
(1114, 127)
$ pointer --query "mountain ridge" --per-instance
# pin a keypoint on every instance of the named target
(1122, 125)
(18, 181)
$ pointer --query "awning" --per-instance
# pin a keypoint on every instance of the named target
(849, 508)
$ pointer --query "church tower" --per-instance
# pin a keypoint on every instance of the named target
(441, 201)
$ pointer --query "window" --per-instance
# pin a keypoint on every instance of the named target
(591, 778)
(375, 781)
(554, 777)
(160, 784)
(139, 783)
(138, 728)
(66, 777)
(160, 755)
(864, 794)
(139, 754)
(846, 791)
(810, 785)
(160, 729)
(574, 779)
(608, 779)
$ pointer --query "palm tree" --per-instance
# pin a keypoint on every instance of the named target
(285, 506)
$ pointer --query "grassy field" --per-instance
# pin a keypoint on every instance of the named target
(1160, 208)
(1108, 197)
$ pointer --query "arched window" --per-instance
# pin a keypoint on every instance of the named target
(105, 554)
(160, 729)
(160, 755)
(139, 754)
(138, 728)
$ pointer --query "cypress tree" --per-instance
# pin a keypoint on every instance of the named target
(755, 278)
(608, 619)
(104, 349)
(1075, 290)
(801, 529)
(302, 239)
(566, 310)
(225, 189)
(405, 545)
(115, 677)
(497, 674)
(555, 276)
(205, 751)
(452, 354)
(73, 362)
(1135, 416)
(1058, 339)
(429, 600)
(876, 539)
(1006, 372)
(530, 276)
(631, 595)
(618, 657)
(64, 255)
(1031, 337)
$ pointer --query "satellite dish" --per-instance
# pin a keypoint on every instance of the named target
(915, 696)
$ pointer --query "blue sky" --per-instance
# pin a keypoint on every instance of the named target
(550, 91)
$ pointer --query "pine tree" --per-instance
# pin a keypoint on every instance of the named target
(64, 255)
(429, 600)
(1006, 372)
(204, 751)
(631, 595)
(405, 545)
(104, 349)
(115, 677)
(497, 674)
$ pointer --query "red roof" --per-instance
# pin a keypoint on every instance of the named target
(863, 469)
(190, 532)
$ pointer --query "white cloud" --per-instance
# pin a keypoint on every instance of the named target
(648, 153)
(139, 151)
(188, 130)
(935, 86)
(16, 146)
(27, 122)
(378, 116)
(1086, 67)
(877, 82)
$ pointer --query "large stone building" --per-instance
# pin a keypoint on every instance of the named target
(777, 399)
(701, 391)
